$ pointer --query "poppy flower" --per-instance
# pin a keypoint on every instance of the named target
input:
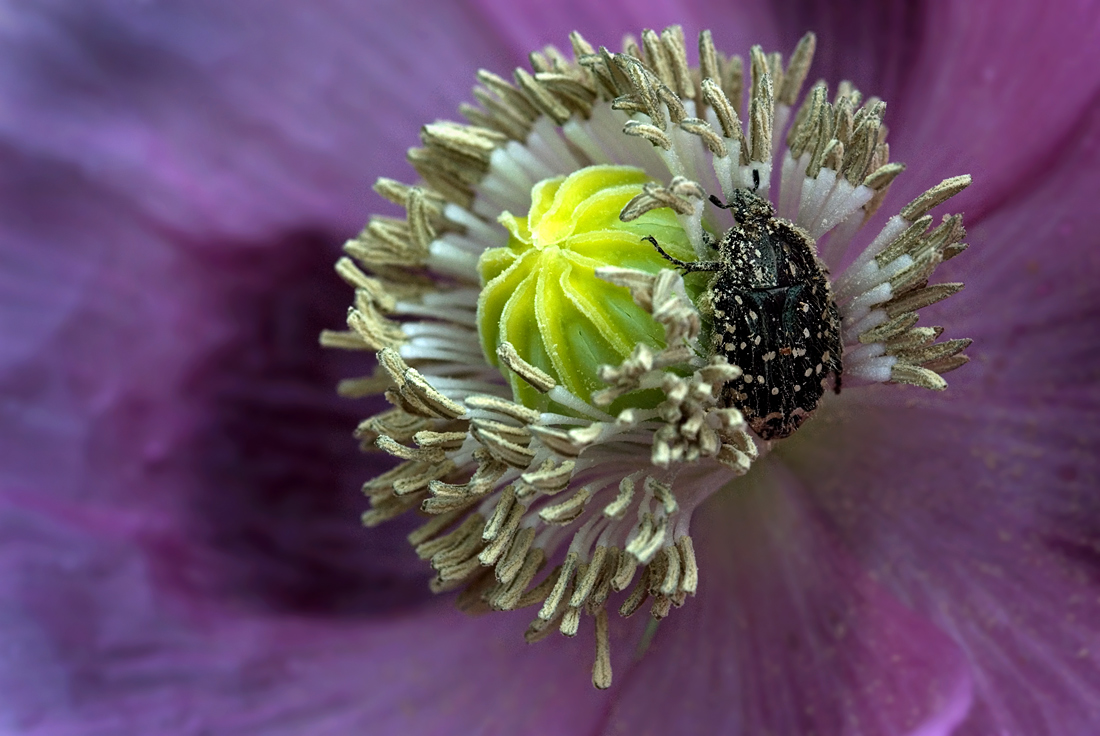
(182, 551)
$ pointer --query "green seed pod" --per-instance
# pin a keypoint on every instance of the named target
(541, 294)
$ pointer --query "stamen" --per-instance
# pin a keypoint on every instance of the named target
(601, 669)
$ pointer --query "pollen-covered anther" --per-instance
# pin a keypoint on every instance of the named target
(695, 423)
(414, 393)
(537, 378)
(677, 196)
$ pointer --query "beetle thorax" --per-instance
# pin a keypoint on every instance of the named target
(749, 258)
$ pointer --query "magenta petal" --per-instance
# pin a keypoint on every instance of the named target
(736, 26)
(994, 94)
(184, 384)
(181, 553)
(237, 118)
(47, 262)
(1027, 274)
(984, 519)
(1029, 302)
(90, 648)
(978, 507)
(789, 637)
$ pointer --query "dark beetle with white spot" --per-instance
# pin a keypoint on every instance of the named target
(773, 316)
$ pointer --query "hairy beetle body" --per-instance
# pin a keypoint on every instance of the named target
(773, 316)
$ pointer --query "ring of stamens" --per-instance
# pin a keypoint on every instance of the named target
(510, 490)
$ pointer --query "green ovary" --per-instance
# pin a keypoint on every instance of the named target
(541, 294)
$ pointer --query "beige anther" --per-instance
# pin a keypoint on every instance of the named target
(904, 242)
(442, 440)
(797, 69)
(689, 578)
(637, 596)
(512, 595)
(396, 449)
(556, 440)
(937, 195)
(498, 405)
(550, 478)
(724, 110)
(707, 134)
(432, 471)
(570, 622)
(921, 298)
(710, 63)
(510, 565)
(601, 669)
(911, 339)
(568, 510)
(431, 547)
(431, 528)
(617, 508)
(917, 376)
(539, 593)
(587, 575)
(643, 87)
(541, 98)
(889, 329)
(500, 514)
(671, 581)
(503, 538)
(930, 354)
(561, 585)
(761, 108)
(373, 330)
(651, 133)
(538, 378)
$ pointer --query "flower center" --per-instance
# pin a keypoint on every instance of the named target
(541, 294)
(567, 387)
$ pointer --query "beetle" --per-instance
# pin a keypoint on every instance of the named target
(773, 315)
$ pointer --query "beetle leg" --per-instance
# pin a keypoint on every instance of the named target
(684, 265)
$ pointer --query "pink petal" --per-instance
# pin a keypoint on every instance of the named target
(97, 651)
(237, 118)
(48, 262)
(183, 383)
(977, 507)
(155, 588)
(988, 530)
(788, 636)
(736, 26)
(993, 94)
(206, 405)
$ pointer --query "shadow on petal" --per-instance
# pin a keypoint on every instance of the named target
(277, 470)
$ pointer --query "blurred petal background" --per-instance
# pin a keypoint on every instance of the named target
(180, 551)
